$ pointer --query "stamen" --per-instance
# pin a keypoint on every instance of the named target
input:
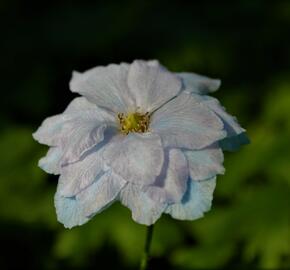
(134, 122)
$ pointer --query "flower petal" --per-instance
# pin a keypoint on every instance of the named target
(195, 202)
(54, 128)
(205, 163)
(184, 122)
(231, 125)
(138, 158)
(105, 86)
(77, 130)
(195, 83)
(79, 175)
(77, 210)
(171, 184)
(101, 193)
(51, 162)
(144, 210)
(151, 84)
(233, 143)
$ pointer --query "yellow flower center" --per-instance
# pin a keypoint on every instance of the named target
(134, 122)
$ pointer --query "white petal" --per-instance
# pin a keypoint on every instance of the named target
(54, 128)
(231, 125)
(138, 158)
(77, 210)
(205, 163)
(144, 210)
(105, 86)
(196, 201)
(171, 184)
(81, 139)
(101, 193)
(151, 84)
(199, 84)
(184, 122)
(51, 162)
(79, 175)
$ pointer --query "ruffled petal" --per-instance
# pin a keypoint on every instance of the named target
(195, 83)
(205, 163)
(233, 143)
(51, 162)
(151, 84)
(171, 184)
(144, 210)
(195, 202)
(184, 122)
(231, 124)
(104, 86)
(77, 130)
(53, 129)
(77, 210)
(79, 175)
(138, 158)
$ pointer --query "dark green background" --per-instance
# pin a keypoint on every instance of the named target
(246, 43)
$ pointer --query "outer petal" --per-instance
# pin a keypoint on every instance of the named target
(55, 127)
(104, 86)
(195, 202)
(184, 122)
(230, 122)
(236, 135)
(77, 210)
(144, 209)
(76, 131)
(195, 83)
(171, 184)
(51, 162)
(205, 163)
(151, 84)
(233, 143)
(138, 158)
(77, 176)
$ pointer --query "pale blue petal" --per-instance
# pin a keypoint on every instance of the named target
(171, 184)
(105, 86)
(205, 163)
(184, 122)
(69, 211)
(151, 84)
(233, 143)
(81, 139)
(101, 193)
(79, 175)
(77, 130)
(195, 202)
(195, 83)
(231, 124)
(54, 129)
(51, 162)
(77, 210)
(144, 209)
(138, 158)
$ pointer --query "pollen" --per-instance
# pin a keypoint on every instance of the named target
(134, 122)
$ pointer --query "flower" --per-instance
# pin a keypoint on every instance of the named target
(140, 134)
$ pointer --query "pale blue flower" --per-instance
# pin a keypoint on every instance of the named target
(140, 134)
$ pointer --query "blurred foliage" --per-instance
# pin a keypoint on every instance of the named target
(246, 43)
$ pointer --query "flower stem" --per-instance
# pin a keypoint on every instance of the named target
(145, 257)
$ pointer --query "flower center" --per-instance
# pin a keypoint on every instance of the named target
(134, 122)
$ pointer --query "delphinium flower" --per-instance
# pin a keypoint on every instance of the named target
(142, 135)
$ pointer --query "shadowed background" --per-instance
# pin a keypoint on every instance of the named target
(245, 43)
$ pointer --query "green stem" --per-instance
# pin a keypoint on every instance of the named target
(145, 257)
